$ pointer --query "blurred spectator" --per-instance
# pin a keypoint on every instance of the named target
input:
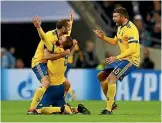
(90, 57)
(157, 6)
(12, 59)
(4, 58)
(19, 63)
(149, 23)
(102, 65)
(143, 33)
(147, 62)
(157, 26)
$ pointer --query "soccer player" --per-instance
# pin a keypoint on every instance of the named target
(54, 95)
(127, 38)
(38, 63)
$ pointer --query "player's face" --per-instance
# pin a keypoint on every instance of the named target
(67, 28)
(117, 19)
(62, 40)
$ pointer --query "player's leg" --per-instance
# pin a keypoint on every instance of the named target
(67, 84)
(44, 106)
(102, 77)
(111, 92)
(58, 99)
(121, 70)
(66, 87)
(44, 102)
(41, 72)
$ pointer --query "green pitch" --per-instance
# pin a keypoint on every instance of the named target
(15, 111)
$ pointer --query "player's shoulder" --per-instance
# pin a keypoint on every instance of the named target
(131, 26)
(128, 25)
(50, 32)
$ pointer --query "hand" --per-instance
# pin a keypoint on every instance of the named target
(99, 33)
(111, 59)
(36, 21)
(125, 38)
(72, 15)
(67, 52)
(75, 42)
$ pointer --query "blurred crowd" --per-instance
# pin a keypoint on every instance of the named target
(90, 59)
(86, 58)
(8, 60)
(145, 15)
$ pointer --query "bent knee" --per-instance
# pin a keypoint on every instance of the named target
(102, 76)
(45, 82)
(112, 78)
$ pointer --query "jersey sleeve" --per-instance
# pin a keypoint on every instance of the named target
(45, 37)
(48, 41)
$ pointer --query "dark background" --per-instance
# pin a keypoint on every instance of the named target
(25, 39)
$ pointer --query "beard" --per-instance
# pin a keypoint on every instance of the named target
(119, 23)
(65, 32)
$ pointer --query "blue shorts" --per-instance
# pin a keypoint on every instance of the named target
(120, 68)
(40, 70)
(54, 96)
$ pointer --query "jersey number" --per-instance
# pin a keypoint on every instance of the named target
(66, 60)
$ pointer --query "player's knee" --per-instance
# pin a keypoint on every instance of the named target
(101, 76)
(46, 84)
(112, 79)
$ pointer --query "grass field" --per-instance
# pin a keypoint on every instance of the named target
(15, 111)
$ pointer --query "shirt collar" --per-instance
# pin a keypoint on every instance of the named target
(125, 24)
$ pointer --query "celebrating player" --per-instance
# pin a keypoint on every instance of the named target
(118, 67)
(54, 95)
(48, 40)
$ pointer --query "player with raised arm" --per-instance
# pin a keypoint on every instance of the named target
(39, 64)
(127, 38)
(53, 99)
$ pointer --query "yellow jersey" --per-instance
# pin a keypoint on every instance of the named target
(57, 68)
(39, 54)
(127, 36)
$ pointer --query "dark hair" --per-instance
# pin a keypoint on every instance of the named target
(122, 11)
(68, 43)
(62, 23)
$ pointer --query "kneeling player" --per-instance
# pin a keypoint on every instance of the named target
(39, 65)
(54, 95)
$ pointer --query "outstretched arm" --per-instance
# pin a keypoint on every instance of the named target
(71, 21)
(101, 35)
(55, 56)
(44, 36)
